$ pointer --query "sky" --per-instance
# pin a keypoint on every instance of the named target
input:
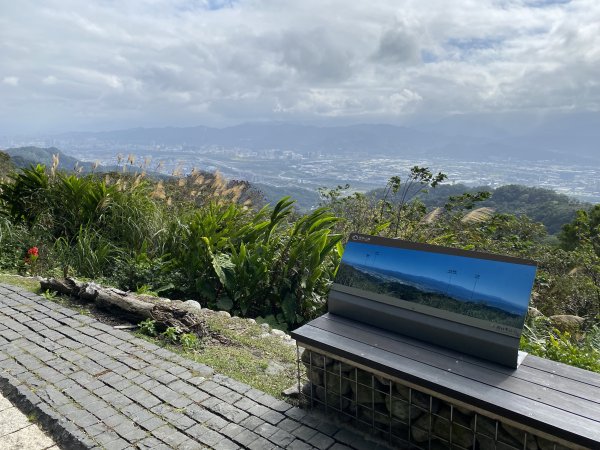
(68, 65)
(511, 282)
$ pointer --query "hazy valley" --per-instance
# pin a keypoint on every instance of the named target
(298, 159)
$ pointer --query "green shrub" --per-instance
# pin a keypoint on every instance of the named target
(148, 327)
(197, 238)
(171, 334)
(88, 253)
(189, 341)
(541, 340)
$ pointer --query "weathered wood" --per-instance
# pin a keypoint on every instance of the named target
(181, 319)
(107, 298)
(165, 313)
(66, 286)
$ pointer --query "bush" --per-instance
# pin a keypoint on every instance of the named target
(580, 351)
(198, 237)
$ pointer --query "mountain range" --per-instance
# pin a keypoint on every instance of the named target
(558, 138)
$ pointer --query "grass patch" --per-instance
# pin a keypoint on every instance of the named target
(249, 355)
(236, 348)
(30, 284)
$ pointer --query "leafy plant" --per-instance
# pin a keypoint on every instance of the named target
(171, 334)
(541, 340)
(144, 289)
(148, 327)
(189, 341)
(48, 294)
(88, 253)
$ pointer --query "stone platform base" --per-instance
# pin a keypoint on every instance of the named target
(405, 415)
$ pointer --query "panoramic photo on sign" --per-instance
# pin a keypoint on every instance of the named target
(472, 288)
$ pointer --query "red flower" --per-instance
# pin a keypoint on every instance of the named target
(33, 251)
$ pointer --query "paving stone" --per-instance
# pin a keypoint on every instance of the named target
(145, 399)
(199, 414)
(216, 423)
(352, 439)
(245, 438)
(96, 429)
(179, 420)
(327, 428)
(261, 444)
(115, 420)
(148, 443)
(280, 406)
(190, 444)
(108, 389)
(134, 434)
(226, 444)
(204, 434)
(137, 413)
(108, 437)
(282, 438)
(299, 445)
(321, 440)
(273, 417)
(303, 432)
(198, 396)
(252, 422)
(229, 396)
(118, 444)
(85, 419)
(338, 446)
(104, 413)
(258, 410)
(288, 425)
(296, 413)
(169, 435)
(229, 412)
(152, 424)
(265, 430)
(231, 430)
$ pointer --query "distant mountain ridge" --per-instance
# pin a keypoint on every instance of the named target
(26, 156)
(551, 140)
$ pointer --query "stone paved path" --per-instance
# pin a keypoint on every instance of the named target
(95, 387)
(18, 433)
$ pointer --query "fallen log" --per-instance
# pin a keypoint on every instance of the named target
(164, 312)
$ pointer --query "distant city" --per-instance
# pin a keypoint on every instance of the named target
(306, 170)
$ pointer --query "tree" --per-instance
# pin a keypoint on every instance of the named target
(394, 214)
(585, 227)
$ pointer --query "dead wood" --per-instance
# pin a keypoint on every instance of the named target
(165, 313)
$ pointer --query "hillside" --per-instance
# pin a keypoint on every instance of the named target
(6, 165)
(539, 204)
(27, 156)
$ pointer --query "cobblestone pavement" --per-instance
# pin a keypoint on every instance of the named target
(93, 386)
(18, 433)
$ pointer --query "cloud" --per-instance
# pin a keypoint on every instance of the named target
(11, 81)
(49, 80)
(181, 62)
(398, 45)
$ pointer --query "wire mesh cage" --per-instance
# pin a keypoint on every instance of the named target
(404, 415)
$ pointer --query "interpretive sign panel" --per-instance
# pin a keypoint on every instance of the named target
(470, 289)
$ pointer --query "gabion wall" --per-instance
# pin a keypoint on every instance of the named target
(403, 416)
